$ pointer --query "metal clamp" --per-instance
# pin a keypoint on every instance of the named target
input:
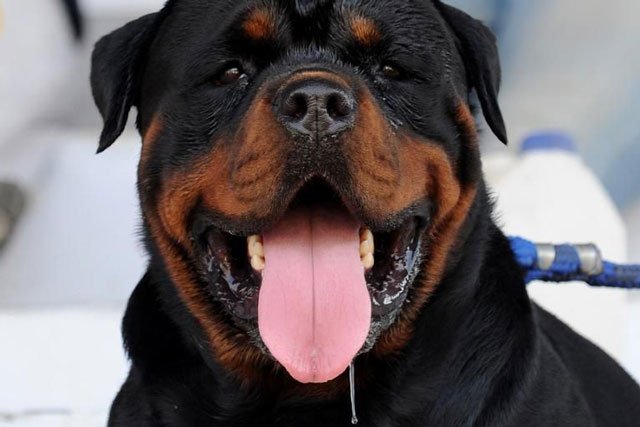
(590, 259)
(546, 256)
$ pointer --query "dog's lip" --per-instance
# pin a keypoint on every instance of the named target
(235, 284)
(222, 259)
(396, 266)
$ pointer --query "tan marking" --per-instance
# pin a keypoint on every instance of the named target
(260, 25)
(151, 135)
(365, 31)
(394, 171)
(455, 202)
(466, 122)
(318, 75)
(237, 178)
(441, 240)
(391, 171)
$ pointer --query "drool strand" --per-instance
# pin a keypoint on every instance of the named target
(352, 393)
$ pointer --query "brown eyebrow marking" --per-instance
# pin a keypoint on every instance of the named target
(365, 30)
(260, 24)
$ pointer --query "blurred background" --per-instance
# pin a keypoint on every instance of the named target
(69, 245)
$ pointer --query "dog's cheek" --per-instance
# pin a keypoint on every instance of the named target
(469, 163)
(256, 162)
(452, 191)
(150, 137)
(237, 178)
(385, 174)
(166, 233)
(372, 158)
(391, 170)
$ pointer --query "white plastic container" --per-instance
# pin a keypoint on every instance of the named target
(550, 195)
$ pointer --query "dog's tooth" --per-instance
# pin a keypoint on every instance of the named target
(366, 248)
(365, 234)
(255, 246)
(257, 263)
(366, 242)
(258, 248)
(367, 261)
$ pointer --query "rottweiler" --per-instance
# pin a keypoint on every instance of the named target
(312, 199)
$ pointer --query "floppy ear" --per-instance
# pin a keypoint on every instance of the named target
(116, 66)
(479, 51)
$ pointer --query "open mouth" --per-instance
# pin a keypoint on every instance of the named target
(317, 287)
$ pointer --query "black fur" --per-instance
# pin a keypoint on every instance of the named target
(116, 72)
(482, 353)
(478, 46)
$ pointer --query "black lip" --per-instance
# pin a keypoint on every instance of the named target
(225, 270)
(390, 278)
(230, 279)
(228, 275)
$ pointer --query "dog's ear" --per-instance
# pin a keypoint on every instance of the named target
(477, 45)
(116, 66)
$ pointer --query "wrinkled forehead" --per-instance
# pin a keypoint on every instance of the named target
(278, 27)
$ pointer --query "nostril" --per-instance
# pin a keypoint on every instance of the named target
(339, 106)
(295, 106)
(314, 108)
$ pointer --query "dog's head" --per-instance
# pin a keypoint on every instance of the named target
(306, 166)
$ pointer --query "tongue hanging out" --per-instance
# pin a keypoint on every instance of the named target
(314, 309)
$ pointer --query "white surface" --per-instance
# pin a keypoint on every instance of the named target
(76, 419)
(34, 45)
(78, 242)
(58, 362)
(550, 196)
(65, 279)
(574, 67)
(108, 8)
(632, 219)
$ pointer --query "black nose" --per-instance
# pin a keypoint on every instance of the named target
(317, 109)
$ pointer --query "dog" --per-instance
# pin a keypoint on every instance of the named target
(312, 198)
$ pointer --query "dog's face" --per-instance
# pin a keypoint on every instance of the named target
(306, 166)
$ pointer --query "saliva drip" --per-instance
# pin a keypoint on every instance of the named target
(352, 393)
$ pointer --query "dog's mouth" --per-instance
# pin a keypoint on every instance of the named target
(316, 287)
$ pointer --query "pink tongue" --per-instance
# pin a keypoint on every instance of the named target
(314, 308)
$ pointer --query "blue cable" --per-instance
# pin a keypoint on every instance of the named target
(564, 263)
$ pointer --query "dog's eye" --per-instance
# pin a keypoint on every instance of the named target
(230, 75)
(391, 71)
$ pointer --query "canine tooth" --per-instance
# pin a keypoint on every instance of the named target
(366, 248)
(257, 263)
(366, 243)
(255, 246)
(367, 261)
